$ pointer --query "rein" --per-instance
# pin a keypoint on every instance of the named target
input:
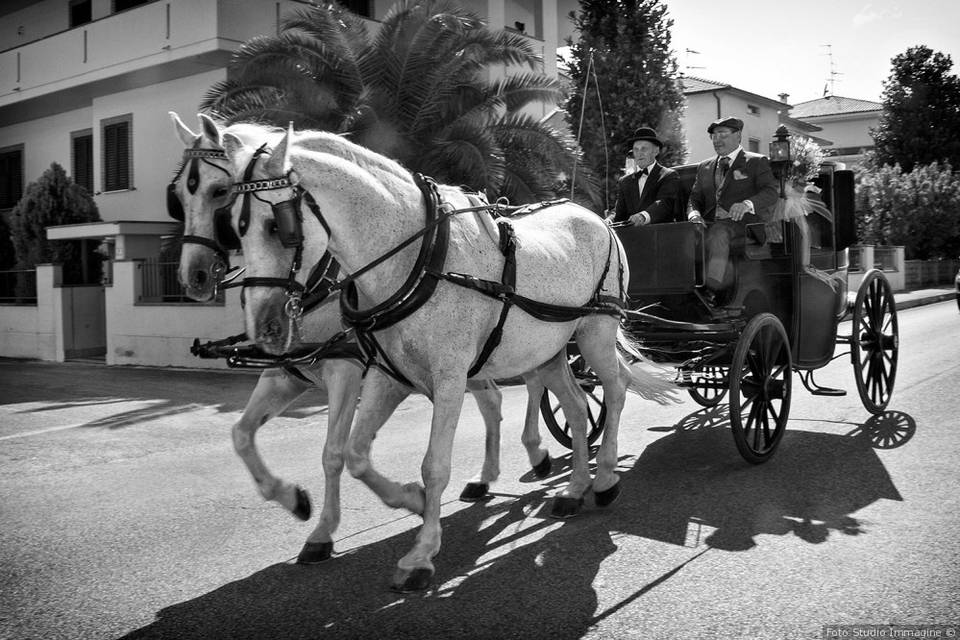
(423, 278)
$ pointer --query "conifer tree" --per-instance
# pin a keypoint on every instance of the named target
(54, 199)
(637, 83)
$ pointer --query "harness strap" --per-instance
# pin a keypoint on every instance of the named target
(508, 247)
(208, 243)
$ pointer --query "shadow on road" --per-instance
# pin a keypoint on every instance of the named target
(508, 571)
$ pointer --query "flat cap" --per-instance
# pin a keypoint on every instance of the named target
(731, 123)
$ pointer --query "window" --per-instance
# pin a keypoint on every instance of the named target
(753, 145)
(81, 148)
(80, 12)
(752, 110)
(11, 176)
(123, 5)
(117, 153)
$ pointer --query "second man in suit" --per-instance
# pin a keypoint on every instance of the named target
(652, 192)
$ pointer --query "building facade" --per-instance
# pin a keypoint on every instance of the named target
(88, 84)
(846, 122)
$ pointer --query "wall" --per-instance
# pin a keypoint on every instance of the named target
(35, 331)
(156, 147)
(45, 141)
(161, 334)
(702, 110)
(37, 21)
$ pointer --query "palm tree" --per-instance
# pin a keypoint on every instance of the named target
(416, 91)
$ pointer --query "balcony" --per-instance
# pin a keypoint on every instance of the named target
(152, 43)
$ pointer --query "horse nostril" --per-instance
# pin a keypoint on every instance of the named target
(200, 278)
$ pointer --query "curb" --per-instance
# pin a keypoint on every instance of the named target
(919, 302)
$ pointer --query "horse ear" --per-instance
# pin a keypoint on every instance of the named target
(279, 161)
(186, 136)
(232, 145)
(210, 128)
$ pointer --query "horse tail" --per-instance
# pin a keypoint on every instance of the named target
(647, 379)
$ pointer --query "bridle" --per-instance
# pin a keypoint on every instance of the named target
(301, 298)
(225, 239)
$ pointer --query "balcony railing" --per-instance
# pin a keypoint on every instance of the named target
(154, 34)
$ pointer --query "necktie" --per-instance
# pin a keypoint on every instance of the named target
(724, 165)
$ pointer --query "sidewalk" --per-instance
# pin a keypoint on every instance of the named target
(919, 297)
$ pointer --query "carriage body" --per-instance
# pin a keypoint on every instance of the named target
(781, 317)
(667, 269)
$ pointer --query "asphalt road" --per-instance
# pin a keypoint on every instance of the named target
(125, 514)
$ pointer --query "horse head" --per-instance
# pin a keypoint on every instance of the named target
(200, 188)
(280, 244)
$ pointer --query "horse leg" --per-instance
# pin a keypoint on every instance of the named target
(379, 398)
(538, 455)
(415, 570)
(598, 346)
(489, 399)
(342, 378)
(275, 390)
(558, 377)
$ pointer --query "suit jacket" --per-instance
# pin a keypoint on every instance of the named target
(660, 197)
(748, 178)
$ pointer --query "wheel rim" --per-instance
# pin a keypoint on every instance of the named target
(875, 344)
(709, 396)
(760, 385)
(557, 423)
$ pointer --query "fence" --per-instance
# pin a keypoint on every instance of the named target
(159, 283)
(18, 286)
(920, 273)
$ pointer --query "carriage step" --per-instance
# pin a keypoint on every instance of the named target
(827, 391)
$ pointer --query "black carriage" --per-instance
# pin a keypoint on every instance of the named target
(781, 316)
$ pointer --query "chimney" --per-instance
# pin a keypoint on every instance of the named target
(784, 98)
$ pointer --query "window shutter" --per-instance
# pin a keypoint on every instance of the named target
(116, 156)
(83, 160)
(11, 177)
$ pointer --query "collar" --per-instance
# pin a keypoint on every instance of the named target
(649, 169)
(733, 154)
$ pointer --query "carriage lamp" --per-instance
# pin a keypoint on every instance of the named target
(780, 155)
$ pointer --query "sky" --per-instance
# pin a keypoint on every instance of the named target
(769, 47)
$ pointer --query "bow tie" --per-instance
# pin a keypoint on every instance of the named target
(644, 172)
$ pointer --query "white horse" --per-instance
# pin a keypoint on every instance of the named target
(369, 205)
(200, 190)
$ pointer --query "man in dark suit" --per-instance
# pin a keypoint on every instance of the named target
(732, 189)
(651, 193)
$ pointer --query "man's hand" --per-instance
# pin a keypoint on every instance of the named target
(738, 210)
(640, 219)
(695, 216)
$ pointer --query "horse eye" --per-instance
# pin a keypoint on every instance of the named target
(219, 192)
(271, 227)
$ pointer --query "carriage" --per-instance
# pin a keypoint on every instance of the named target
(782, 316)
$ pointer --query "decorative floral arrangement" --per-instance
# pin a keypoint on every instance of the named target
(807, 157)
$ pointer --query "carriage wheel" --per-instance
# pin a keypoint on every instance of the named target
(760, 377)
(874, 342)
(557, 423)
(709, 396)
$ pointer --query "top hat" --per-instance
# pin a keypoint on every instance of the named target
(731, 123)
(645, 133)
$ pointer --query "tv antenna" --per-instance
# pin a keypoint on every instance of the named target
(686, 64)
(832, 75)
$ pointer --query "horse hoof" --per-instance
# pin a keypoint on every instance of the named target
(565, 507)
(474, 492)
(417, 580)
(607, 497)
(315, 552)
(303, 508)
(542, 468)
